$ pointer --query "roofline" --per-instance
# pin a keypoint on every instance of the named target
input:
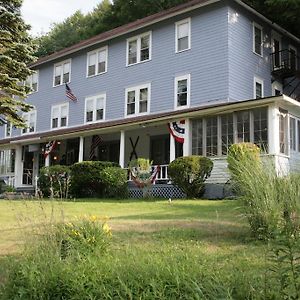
(147, 21)
(122, 124)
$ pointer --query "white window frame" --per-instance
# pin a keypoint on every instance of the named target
(97, 61)
(276, 86)
(176, 80)
(27, 123)
(59, 119)
(94, 99)
(5, 130)
(189, 21)
(62, 72)
(291, 47)
(138, 48)
(255, 25)
(30, 79)
(260, 81)
(137, 102)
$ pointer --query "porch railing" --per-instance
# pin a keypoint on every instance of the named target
(162, 175)
(8, 180)
(27, 176)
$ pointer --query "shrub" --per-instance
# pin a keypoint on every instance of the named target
(54, 181)
(189, 173)
(114, 180)
(86, 178)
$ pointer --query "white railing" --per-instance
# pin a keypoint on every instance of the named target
(161, 176)
(27, 176)
(8, 179)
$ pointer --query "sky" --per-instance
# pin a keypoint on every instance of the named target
(40, 14)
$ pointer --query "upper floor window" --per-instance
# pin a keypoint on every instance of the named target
(97, 62)
(258, 88)
(139, 48)
(62, 73)
(95, 108)
(59, 115)
(32, 81)
(183, 35)
(30, 121)
(8, 129)
(138, 100)
(257, 39)
(182, 91)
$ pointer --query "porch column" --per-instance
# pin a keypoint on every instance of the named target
(122, 149)
(18, 166)
(273, 129)
(172, 148)
(81, 149)
(47, 161)
(187, 145)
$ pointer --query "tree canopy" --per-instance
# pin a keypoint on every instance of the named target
(16, 48)
(107, 15)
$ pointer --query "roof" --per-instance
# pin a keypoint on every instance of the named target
(152, 19)
(126, 123)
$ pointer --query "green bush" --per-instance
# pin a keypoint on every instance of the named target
(114, 180)
(54, 181)
(86, 178)
(189, 173)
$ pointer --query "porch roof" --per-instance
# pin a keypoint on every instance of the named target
(152, 119)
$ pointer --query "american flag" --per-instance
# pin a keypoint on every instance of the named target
(49, 148)
(70, 94)
(96, 141)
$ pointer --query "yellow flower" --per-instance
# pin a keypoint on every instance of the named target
(93, 218)
(106, 229)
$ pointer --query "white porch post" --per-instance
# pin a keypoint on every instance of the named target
(18, 167)
(273, 129)
(122, 149)
(187, 145)
(47, 161)
(172, 148)
(81, 149)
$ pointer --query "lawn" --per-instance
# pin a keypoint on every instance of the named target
(195, 237)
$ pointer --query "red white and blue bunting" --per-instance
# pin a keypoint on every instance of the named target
(177, 129)
(49, 148)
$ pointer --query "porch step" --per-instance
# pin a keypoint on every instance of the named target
(26, 189)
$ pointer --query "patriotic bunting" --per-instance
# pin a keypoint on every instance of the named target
(96, 141)
(177, 129)
(49, 148)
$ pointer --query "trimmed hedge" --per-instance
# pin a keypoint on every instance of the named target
(189, 173)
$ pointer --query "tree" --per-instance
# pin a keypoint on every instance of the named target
(16, 48)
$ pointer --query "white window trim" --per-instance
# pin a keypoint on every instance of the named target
(97, 57)
(62, 63)
(35, 119)
(261, 81)
(189, 20)
(37, 83)
(295, 49)
(276, 86)
(178, 78)
(94, 97)
(138, 88)
(138, 38)
(59, 105)
(253, 39)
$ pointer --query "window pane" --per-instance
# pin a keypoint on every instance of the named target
(212, 136)
(282, 133)
(99, 114)
(182, 92)
(92, 64)
(183, 30)
(132, 52)
(227, 132)
(58, 70)
(143, 100)
(57, 80)
(66, 78)
(258, 40)
(258, 87)
(66, 75)
(92, 59)
(63, 122)
(243, 127)
(145, 54)
(260, 120)
(197, 139)
(102, 61)
(8, 129)
(131, 97)
(54, 122)
(34, 78)
(92, 70)
(183, 43)
(89, 116)
(293, 134)
(55, 112)
(64, 110)
(131, 103)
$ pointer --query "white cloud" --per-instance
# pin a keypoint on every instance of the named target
(40, 14)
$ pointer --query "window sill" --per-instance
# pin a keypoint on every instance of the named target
(94, 122)
(136, 115)
(177, 52)
(92, 76)
(138, 63)
(61, 84)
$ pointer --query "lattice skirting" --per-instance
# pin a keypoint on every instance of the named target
(158, 191)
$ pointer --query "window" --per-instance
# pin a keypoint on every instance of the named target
(197, 137)
(226, 132)
(276, 89)
(138, 100)
(182, 91)
(94, 108)
(292, 134)
(7, 161)
(30, 121)
(293, 58)
(212, 136)
(139, 49)
(282, 132)
(243, 126)
(59, 115)
(183, 35)
(257, 39)
(32, 81)
(97, 62)
(258, 88)
(62, 73)
(8, 129)
(260, 127)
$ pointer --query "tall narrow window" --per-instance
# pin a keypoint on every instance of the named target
(59, 115)
(283, 132)
(212, 136)
(292, 134)
(139, 49)
(32, 81)
(183, 35)
(30, 121)
(137, 100)
(94, 108)
(182, 91)
(258, 88)
(62, 73)
(197, 140)
(97, 62)
(260, 127)
(257, 39)
(227, 132)
(243, 126)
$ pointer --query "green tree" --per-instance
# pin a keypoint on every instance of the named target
(16, 48)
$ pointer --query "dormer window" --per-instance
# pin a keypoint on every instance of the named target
(62, 73)
(183, 35)
(97, 62)
(32, 81)
(139, 49)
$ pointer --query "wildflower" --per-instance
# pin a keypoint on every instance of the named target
(106, 229)
(93, 218)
